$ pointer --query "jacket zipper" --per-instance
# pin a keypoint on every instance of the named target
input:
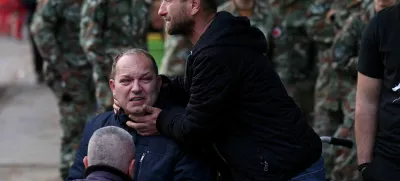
(140, 164)
(216, 149)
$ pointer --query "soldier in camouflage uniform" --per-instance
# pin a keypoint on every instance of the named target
(177, 47)
(258, 13)
(55, 30)
(108, 27)
(345, 53)
(326, 18)
(293, 51)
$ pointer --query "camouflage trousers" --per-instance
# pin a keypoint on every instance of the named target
(76, 103)
(303, 94)
(334, 116)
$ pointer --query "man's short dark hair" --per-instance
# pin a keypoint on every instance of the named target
(209, 5)
(133, 51)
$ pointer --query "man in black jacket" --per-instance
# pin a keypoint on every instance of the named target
(237, 102)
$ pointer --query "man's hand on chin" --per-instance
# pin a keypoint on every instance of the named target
(144, 120)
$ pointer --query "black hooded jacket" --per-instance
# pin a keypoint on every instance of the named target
(238, 103)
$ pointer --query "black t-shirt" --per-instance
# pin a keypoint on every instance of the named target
(380, 58)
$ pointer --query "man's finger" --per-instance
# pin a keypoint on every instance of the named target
(140, 119)
(137, 126)
(143, 133)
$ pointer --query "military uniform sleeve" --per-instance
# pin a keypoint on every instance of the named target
(91, 36)
(346, 44)
(43, 30)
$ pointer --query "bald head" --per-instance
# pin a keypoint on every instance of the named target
(111, 146)
(133, 51)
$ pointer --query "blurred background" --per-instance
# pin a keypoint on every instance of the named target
(29, 107)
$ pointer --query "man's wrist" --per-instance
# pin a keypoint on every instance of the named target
(159, 124)
(362, 166)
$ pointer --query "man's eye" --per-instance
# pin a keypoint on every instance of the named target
(147, 79)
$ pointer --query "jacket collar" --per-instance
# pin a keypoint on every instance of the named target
(106, 172)
(121, 117)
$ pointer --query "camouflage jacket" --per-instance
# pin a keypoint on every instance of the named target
(108, 26)
(292, 48)
(347, 42)
(326, 19)
(261, 17)
(55, 30)
(321, 26)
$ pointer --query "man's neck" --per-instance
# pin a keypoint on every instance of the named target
(200, 27)
(244, 5)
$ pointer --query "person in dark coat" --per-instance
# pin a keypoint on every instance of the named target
(237, 102)
(135, 81)
(111, 155)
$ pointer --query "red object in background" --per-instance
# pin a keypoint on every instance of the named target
(4, 17)
(12, 17)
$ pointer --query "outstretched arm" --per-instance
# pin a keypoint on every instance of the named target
(210, 89)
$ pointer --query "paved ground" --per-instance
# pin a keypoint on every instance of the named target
(29, 130)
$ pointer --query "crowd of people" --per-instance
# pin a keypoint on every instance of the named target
(244, 91)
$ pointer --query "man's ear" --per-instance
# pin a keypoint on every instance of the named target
(195, 6)
(85, 162)
(111, 83)
(131, 168)
(159, 82)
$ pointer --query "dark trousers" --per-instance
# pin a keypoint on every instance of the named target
(382, 169)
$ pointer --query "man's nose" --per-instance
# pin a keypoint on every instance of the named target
(162, 11)
(136, 87)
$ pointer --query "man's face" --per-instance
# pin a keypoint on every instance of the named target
(382, 4)
(135, 82)
(176, 16)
